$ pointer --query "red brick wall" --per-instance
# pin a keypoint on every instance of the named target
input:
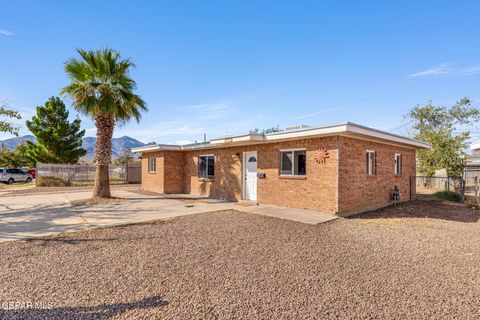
(153, 181)
(338, 186)
(227, 183)
(358, 192)
(173, 167)
(317, 191)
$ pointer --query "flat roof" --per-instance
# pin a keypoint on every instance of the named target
(475, 145)
(347, 128)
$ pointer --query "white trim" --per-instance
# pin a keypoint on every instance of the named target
(293, 149)
(347, 128)
(157, 147)
(475, 145)
(292, 175)
(244, 172)
(206, 156)
(395, 164)
(150, 162)
(373, 169)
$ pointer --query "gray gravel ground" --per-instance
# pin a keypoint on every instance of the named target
(419, 260)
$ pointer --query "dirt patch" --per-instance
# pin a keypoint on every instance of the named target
(435, 209)
(245, 204)
(234, 265)
(147, 192)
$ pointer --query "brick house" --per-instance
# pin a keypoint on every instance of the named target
(339, 169)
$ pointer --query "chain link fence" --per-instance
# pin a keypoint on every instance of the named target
(437, 187)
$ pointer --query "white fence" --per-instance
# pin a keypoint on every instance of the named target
(84, 174)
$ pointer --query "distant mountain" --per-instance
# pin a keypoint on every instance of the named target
(12, 143)
(118, 144)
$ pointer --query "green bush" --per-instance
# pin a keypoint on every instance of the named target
(448, 195)
(52, 182)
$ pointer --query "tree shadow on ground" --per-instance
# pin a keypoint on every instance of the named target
(424, 209)
(99, 312)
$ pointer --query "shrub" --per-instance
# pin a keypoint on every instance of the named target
(52, 182)
(447, 195)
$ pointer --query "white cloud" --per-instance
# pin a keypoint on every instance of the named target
(472, 70)
(6, 33)
(447, 69)
(314, 114)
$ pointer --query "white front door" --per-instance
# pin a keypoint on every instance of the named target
(250, 175)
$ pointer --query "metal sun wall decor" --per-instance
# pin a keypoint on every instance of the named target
(321, 155)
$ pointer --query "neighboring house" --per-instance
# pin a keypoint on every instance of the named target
(338, 169)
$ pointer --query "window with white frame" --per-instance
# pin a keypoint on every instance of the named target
(371, 163)
(293, 162)
(206, 166)
(152, 164)
(398, 163)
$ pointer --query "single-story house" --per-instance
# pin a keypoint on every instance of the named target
(338, 169)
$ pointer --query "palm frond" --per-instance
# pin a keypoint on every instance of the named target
(100, 83)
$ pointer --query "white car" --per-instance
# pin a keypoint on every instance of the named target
(10, 176)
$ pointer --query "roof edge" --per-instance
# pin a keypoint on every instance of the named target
(345, 127)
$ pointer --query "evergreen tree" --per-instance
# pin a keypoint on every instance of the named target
(58, 140)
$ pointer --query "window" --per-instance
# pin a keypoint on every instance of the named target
(293, 162)
(398, 163)
(152, 164)
(206, 167)
(371, 163)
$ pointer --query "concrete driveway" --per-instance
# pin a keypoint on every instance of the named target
(33, 215)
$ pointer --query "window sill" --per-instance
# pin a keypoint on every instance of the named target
(292, 177)
(152, 172)
(206, 179)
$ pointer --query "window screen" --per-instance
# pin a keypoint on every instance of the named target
(293, 162)
(152, 164)
(398, 163)
(371, 163)
(206, 167)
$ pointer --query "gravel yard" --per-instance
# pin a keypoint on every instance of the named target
(419, 260)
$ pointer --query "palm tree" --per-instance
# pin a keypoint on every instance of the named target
(102, 88)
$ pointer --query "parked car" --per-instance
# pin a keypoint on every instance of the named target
(31, 172)
(10, 176)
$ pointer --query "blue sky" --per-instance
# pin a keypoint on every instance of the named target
(224, 67)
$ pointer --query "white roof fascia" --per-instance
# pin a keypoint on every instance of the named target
(475, 145)
(359, 129)
(347, 127)
(157, 147)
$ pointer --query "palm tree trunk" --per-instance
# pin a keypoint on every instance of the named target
(103, 154)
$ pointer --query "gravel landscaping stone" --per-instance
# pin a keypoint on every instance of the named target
(419, 260)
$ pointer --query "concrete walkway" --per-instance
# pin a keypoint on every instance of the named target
(34, 215)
